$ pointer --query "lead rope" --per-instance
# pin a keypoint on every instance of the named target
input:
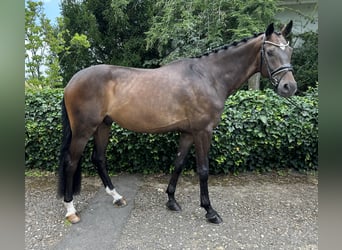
(293, 103)
(300, 109)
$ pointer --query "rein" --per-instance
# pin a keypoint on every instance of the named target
(301, 110)
(273, 73)
(293, 103)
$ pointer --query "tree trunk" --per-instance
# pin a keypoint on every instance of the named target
(254, 82)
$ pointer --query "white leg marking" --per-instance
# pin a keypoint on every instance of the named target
(70, 208)
(116, 196)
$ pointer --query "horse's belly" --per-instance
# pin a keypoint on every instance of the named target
(149, 121)
(152, 126)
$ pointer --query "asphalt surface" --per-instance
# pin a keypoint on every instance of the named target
(259, 212)
(101, 223)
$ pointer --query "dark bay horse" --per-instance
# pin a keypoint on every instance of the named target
(187, 95)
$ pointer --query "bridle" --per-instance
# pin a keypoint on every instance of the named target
(273, 73)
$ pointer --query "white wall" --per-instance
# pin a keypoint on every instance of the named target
(303, 13)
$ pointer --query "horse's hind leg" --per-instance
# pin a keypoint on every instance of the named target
(185, 142)
(73, 175)
(101, 138)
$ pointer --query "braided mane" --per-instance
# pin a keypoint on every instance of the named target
(225, 47)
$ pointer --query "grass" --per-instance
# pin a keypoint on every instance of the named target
(38, 173)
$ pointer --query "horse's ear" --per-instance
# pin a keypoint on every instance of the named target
(269, 30)
(286, 30)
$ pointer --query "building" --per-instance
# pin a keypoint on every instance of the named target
(304, 14)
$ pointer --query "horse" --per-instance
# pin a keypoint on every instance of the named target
(186, 95)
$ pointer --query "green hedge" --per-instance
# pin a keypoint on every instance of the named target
(259, 131)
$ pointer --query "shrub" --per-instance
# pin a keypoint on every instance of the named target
(305, 60)
(43, 128)
(262, 131)
(259, 131)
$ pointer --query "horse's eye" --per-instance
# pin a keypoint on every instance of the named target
(270, 52)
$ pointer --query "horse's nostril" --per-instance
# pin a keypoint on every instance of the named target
(288, 89)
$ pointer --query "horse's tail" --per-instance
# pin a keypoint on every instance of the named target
(64, 157)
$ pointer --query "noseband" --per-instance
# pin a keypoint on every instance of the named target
(273, 73)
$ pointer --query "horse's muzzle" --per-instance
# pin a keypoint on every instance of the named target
(287, 89)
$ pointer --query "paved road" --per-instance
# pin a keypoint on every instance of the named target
(259, 212)
(102, 223)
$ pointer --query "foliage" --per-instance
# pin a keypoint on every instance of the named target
(34, 44)
(259, 131)
(42, 128)
(115, 31)
(147, 34)
(45, 47)
(150, 33)
(189, 28)
(305, 59)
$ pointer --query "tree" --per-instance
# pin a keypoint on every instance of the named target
(35, 46)
(45, 46)
(115, 31)
(188, 28)
(151, 33)
(305, 58)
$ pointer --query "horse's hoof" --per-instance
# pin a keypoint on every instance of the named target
(173, 206)
(120, 203)
(214, 218)
(73, 218)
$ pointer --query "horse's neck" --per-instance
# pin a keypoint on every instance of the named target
(233, 66)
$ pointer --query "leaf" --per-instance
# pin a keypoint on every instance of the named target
(263, 119)
(49, 119)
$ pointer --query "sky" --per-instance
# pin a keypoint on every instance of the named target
(51, 8)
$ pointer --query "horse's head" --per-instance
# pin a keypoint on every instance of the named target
(275, 60)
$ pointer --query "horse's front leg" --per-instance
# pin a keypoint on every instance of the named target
(185, 142)
(202, 141)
